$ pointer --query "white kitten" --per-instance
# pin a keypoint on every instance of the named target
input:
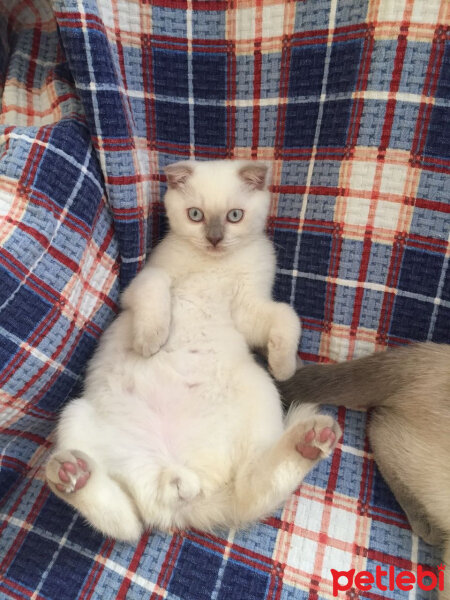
(178, 426)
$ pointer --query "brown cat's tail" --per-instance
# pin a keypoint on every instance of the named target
(364, 382)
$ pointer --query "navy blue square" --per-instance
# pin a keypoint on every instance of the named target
(188, 581)
(67, 575)
(98, 51)
(71, 137)
(86, 202)
(109, 104)
(306, 70)
(99, 54)
(56, 176)
(443, 87)
(250, 582)
(438, 140)
(335, 118)
(8, 284)
(23, 315)
(285, 241)
(55, 396)
(170, 70)
(8, 477)
(32, 560)
(282, 288)
(301, 121)
(310, 298)
(209, 75)
(172, 122)
(55, 516)
(411, 318)
(441, 332)
(420, 272)
(344, 64)
(84, 535)
(210, 125)
(7, 350)
(112, 116)
(314, 254)
(82, 351)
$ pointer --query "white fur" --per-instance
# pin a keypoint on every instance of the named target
(179, 426)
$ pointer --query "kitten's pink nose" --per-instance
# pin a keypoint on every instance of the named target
(214, 240)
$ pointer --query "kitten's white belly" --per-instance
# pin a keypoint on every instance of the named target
(184, 399)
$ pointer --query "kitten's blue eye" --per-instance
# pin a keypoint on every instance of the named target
(195, 214)
(235, 215)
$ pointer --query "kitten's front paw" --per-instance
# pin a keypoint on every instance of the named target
(282, 358)
(148, 339)
(151, 331)
(283, 343)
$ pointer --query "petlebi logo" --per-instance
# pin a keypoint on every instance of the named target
(364, 581)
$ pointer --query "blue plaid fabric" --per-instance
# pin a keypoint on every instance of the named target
(350, 102)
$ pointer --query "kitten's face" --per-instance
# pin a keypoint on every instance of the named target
(217, 205)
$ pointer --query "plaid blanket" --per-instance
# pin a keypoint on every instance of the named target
(350, 101)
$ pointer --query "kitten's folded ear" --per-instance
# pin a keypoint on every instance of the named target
(255, 175)
(178, 173)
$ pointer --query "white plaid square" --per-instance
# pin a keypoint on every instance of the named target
(391, 10)
(273, 20)
(362, 175)
(426, 12)
(393, 179)
(387, 214)
(357, 211)
(334, 558)
(245, 23)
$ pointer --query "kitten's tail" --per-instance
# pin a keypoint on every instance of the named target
(178, 483)
(364, 382)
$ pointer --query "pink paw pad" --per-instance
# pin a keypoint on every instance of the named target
(327, 435)
(74, 474)
(307, 450)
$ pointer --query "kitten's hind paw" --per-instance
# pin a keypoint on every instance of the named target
(319, 439)
(68, 471)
